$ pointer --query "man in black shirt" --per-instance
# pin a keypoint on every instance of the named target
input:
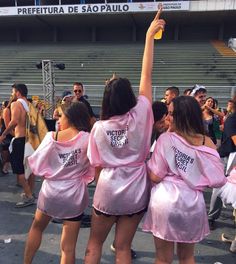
(228, 142)
(228, 145)
(78, 90)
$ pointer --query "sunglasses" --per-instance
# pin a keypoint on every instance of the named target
(77, 91)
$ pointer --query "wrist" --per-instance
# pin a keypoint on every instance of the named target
(150, 34)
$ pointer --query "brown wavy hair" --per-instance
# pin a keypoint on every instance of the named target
(187, 115)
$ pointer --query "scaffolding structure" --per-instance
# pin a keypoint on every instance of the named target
(48, 87)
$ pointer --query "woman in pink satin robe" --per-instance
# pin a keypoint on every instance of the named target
(183, 164)
(61, 159)
(118, 148)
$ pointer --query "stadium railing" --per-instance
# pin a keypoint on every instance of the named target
(95, 92)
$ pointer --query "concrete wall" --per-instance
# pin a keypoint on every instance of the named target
(119, 28)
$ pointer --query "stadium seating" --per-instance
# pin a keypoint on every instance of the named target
(182, 64)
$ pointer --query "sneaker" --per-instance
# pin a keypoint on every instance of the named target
(26, 201)
(226, 238)
(5, 172)
(233, 247)
(133, 253)
(22, 195)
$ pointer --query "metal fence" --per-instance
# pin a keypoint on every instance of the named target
(95, 92)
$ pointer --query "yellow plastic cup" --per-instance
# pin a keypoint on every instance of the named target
(158, 35)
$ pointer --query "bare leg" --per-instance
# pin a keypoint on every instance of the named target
(31, 182)
(100, 227)
(5, 161)
(7, 166)
(35, 235)
(125, 230)
(164, 251)
(25, 185)
(69, 237)
(185, 252)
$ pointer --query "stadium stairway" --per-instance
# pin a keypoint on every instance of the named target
(223, 49)
(182, 64)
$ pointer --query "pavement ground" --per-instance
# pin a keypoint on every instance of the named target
(15, 223)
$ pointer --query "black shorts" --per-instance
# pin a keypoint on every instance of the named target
(75, 219)
(17, 155)
(97, 212)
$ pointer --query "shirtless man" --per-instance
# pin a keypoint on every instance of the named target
(18, 124)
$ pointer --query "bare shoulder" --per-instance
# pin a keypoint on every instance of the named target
(209, 143)
(6, 110)
(15, 105)
(16, 109)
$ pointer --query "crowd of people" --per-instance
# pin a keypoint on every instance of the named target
(150, 161)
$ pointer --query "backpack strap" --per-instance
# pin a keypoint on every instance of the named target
(27, 117)
(27, 127)
(24, 104)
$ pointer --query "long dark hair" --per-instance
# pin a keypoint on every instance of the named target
(214, 101)
(11, 100)
(118, 98)
(78, 116)
(5, 103)
(159, 109)
(187, 115)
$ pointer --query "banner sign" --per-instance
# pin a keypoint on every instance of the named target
(93, 9)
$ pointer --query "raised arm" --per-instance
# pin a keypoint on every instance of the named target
(214, 111)
(146, 74)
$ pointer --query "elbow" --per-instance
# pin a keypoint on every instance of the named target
(13, 124)
(219, 183)
(154, 178)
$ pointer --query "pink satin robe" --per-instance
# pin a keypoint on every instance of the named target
(177, 210)
(120, 146)
(66, 170)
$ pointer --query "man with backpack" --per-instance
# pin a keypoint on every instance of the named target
(18, 124)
